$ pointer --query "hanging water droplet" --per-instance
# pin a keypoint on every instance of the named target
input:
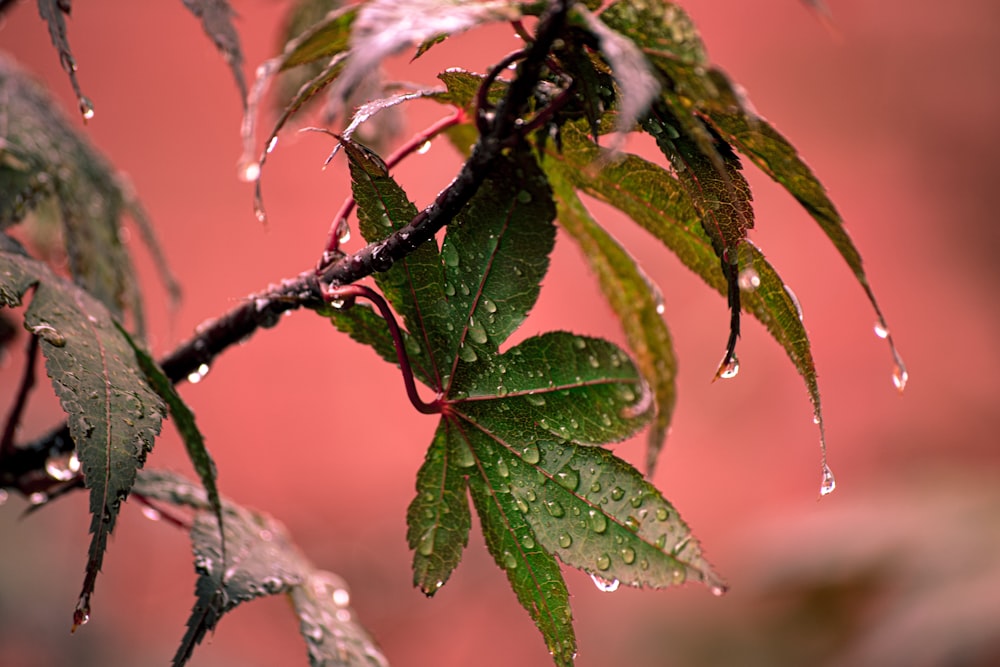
(198, 374)
(341, 597)
(829, 482)
(424, 147)
(900, 376)
(248, 170)
(881, 330)
(605, 585)
(729, 369)
(718, 590)
(603, 562)
(748, 279)
(342, 231)
(86, 108)
(63, 467)
(38, 498)
(271, 144)
(81, 615)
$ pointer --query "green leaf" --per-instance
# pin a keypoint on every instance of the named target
(260, 560)
(635, 301)
(52, 12)
(438, 518)
(185, 424)
(114, 414)
(217, 20)
(532, 571)
(42, 158)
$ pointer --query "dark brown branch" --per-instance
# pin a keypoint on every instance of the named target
(27, 382)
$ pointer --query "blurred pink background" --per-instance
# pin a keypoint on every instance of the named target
(895, 109)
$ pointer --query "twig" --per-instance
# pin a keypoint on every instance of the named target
(21, 400)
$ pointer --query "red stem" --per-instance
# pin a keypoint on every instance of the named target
(332, 249)
(346, 295)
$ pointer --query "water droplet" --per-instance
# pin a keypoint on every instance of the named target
(881, 330)
(467, 353)
(198, 374)
(535, 399)
(521, 505)
(598, 522)
(464, 458)
(531, 454)
(151, 513)
(528, 542)
(628, 555)
(343, 231)
(509, 560)
(605, 585)
(617, 493)
(530, 495)
(678, 576)
(524, 197)
(829, 482)
(449, 254)
(424, 147)
(660, 308)
(595, 487)
(63, 467)
(502, 468)
(476, 332)
(555, 508)
(426, 544)
(86, 108)
(49, 334)
(81, 615)
(568, 478)
(565, 540)
(38, 498)
(341, 597)
(729, 369)
(718, 590)
(900, 376)
(635, 501)
(248, 170)
(662, 514)
(449, 290)
(632, 523)
(489, 305)
(603, 562)
(748, 279)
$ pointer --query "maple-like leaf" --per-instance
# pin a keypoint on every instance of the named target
(520, 429)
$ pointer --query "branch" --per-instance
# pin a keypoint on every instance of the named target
(24, 468)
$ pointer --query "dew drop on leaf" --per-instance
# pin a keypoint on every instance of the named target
(555, 508)
(568, 478)
(679, 575)
(565, 540)
(598, 522)
(829, 482)
(528, 542)
(509, 560)
(748, 279)
(605, 585)
(524, 197)
(531, 454)
(62, 467)
(426, 545)
(603, 562)
(617, 493)
(502, 468)
(795, 301)
(535, 399)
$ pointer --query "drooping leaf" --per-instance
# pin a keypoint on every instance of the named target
(114, 414)
(754, 137)
(333, 637)
(635, 301)
(637, 87)
(54, 13)
(301, 16)
(259, 560)
(438, 518)
(217, 20)
(654, 199)
(662, 30)
(185, 424)
(42, 159)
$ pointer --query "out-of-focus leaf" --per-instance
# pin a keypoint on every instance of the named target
(635, 301)
(114, 414)
(42, 158)
(217, 20)
(438, 518)
(52, 12)
(333, 637)
(259, 560)
(184, 421)
(662, 30)
(301, 17)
